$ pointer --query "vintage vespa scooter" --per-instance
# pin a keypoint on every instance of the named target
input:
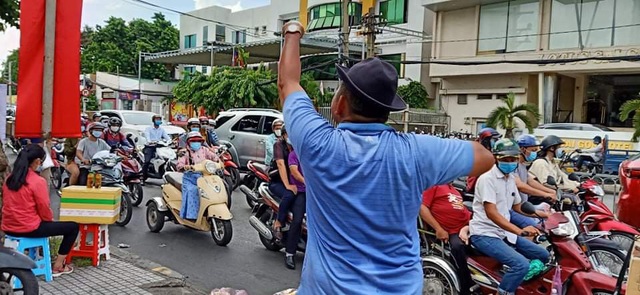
(214, 215)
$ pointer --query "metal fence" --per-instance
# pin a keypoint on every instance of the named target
(418, 120)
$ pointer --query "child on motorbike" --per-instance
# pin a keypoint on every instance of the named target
(491, 231)
(113, 136)
(443, 210)
(545, 165)
(195, 153)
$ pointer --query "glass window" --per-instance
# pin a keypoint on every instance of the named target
(204, 69)
(239, 37)
(223, 119)
(462, 99)
(394, 11)
(627, 20)
(220, 33)
(395, 60)
(493, 27)
(327, 16)
(190, 41)
(596, 23)
(522, 33)
(190, 69)
(485, 96)
(205, 35)
(266, 126)
(247, 124)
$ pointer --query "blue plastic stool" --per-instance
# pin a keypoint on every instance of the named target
(30, 246)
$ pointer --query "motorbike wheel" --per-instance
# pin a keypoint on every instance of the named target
(610, 258)
(155, 218)
(26, 277)
(271, 245)
(234, 176)
(625, 240)
(223, 235)
(56, 177)
(137, 194)
(253, 183)
(436, 281)
(126, 210)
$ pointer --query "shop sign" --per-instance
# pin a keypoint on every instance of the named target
(571, 143)
(587, 54)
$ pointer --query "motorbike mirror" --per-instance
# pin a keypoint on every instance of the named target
(574, 177)
(551, 180)
(528, 208)
(136, 140)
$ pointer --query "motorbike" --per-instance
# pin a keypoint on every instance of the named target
(58, 169)
(265, 213)
(256, 176)
(577, 273)
(162, 162)
(132, 170)
(108, 165)
(591, 165)
(230, 166)
(15, 265)
(13, 144)
(213, 215)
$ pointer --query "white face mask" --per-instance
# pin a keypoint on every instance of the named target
(278, 132)
(114, 129)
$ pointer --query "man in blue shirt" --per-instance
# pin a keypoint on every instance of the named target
(153, 134)
(364, 180)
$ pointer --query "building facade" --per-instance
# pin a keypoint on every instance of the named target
(535, 33)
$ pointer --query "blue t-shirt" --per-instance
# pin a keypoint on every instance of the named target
(364, 185)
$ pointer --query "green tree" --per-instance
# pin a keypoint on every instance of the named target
(92, 103)
(414, 94)
(9, 14)
(505, 116)
(13, 58)
(632, 106)
(115, 46)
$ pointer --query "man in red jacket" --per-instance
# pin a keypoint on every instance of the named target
(443, 210)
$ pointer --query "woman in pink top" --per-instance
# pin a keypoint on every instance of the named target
(26, 211)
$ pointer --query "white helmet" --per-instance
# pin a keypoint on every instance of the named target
(194, 136)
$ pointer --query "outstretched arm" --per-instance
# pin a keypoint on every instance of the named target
(289, 67)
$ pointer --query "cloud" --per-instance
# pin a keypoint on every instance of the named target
(234, 5)
(9, 40)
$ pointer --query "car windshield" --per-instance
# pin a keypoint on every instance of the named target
(138, 118)
(603, 128)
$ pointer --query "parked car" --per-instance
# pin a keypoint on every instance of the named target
(575, 126)
(135, 122)
(629, 198)
(244, 131)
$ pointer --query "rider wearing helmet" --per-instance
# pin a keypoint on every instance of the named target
(196, 152)
(84, 116)
(545, 165)
(89, 146)
(593, 155)
(104, 120)
(487, 137)
(212, 136)
(276, 127)
(495, 194)
(193, 125)
(152, 134)
(529, 147)
(113, 136)
(96, 117)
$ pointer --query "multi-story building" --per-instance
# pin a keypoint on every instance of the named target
(205, 42)
(535, 32)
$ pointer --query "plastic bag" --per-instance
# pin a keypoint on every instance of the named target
(535, 267)
(48, 162)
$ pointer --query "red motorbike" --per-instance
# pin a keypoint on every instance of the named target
(132, 174)
(577, 273)
(256, 176)
(230, 167)
(57, 155)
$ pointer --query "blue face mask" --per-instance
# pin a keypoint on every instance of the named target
(157, 122)
(96, 133)
(531, 157)
(559, 153)
(288, 141)
(196, 129)
(195, 145)
(507, 167)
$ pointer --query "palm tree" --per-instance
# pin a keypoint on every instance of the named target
(625, 110)
(504, 116)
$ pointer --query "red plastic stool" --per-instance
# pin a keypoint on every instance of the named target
(92, 242)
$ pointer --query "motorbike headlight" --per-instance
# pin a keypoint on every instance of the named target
(110, 162)
(211, 167)
(597, 190)
(563, 229)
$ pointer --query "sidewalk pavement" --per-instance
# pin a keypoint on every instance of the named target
(124, 273)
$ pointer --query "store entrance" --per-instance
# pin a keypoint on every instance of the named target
(604, 96)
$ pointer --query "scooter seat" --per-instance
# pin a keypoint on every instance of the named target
(262, 168)
(175, 179)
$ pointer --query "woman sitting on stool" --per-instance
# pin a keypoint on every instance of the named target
(26, 211)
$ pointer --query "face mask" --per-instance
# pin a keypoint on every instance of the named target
(278, 133)
(507, 167)
(195, 145)
(195, 129)
(289, 141)
(39, 169)
(531, 157)
(157, 122)
(96, 133)
(114, 129)
(559, 153)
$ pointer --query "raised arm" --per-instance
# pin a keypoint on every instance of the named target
(482, 160)
(289, 67)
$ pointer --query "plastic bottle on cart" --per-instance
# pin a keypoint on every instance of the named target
(90, 180)
(98, 182)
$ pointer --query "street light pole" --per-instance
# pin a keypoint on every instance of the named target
(49, 51)
(139, 79)
(344, 33)
(10, 81)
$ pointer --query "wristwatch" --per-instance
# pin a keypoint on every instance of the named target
(293, 27)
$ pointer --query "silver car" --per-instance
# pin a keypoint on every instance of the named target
(245, 132)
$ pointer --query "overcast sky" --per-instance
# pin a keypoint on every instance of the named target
(97, 11)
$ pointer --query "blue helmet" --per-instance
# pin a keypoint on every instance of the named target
(527, 140)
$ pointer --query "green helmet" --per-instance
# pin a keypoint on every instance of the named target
(506, 147)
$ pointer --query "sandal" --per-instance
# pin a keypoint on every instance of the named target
(66, 269)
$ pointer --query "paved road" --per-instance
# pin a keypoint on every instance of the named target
(244, 263)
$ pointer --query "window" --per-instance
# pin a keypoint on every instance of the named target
(204, 69)
(589, 24)
(394, 11)
(190, 69)
(264, 30)
(220, 33)
(266, 126)
(247, 124)
(190, 41)
(223, 119)
(462, 99)
(239, 37)
(485, 96)
(205, 35)
(329, 15)
(509, 26)
(327, 72)
(395, 60)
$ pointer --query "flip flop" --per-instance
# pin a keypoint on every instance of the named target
(66, 269)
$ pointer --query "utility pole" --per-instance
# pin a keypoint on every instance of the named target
(343, 53)
(369, 29)
(49, 51)
(10, 82)
(135, 102)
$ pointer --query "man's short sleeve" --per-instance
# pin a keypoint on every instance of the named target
(443, 160)
(428, 195)
(278, 153)
(81, 144)
(304, 125)
(485, 189)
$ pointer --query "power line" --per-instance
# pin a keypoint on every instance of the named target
(630, 58)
